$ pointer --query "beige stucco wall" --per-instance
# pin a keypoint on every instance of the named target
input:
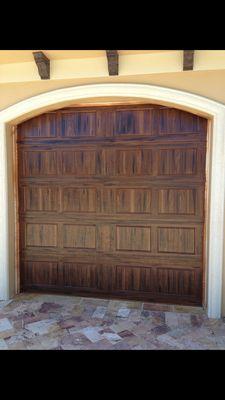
(210, 84)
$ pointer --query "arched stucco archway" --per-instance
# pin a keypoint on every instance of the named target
(215, 112)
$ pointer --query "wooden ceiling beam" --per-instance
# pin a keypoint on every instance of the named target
(43, 64)
(188, 60)
(113, 62)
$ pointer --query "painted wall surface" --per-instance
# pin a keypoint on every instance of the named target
(20, 81)
(19, 78)
(210, 84)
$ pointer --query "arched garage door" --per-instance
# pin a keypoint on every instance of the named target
(111, 202)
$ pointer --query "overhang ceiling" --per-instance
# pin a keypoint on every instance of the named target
(15, 56)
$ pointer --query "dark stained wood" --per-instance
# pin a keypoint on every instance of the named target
(43, 64)
(188, 60)
(111, 202)
(113, 62)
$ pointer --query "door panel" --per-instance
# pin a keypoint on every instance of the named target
(111, 202)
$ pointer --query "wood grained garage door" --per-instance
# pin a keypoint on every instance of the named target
(111, 202)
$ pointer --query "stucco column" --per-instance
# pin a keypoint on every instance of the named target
(4, 244)
(216, 239)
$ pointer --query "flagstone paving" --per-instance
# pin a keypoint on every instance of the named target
(58, 322)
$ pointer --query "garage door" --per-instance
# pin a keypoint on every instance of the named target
(111, 202)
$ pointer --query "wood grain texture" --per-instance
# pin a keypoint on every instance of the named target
(43, 64)
(177, 201)
(111, 202)
(41, 235)
(79, 236)
(176, 240)
(188, 60)
(113, 62)
(133, 238)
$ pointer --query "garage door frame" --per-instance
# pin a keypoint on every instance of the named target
(215, 112)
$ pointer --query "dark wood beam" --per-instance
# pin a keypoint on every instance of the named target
(113, 62)
(188, 60)
(43, 64)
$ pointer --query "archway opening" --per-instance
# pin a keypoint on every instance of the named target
(215, 164)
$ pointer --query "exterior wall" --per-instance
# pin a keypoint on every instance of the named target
(21, 81)
(216, 169)
(210, 84)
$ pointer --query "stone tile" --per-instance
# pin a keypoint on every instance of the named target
(133, 340)
(104, 344)
(49, 343)
(3, 304)
(138, 347)
(143, 329)
(149, 343)
(171, 319)
(39, 321)
(12, 340)
(211, 323)
(28, 318)
(6, 328)
(123, 312)
(122, 346)
(17, 324)
(79, 326)
(18, 309)
(220, 342)
(216, 328)
(145, 314)
(184, 319)
(208, 342)
(134, 305)
(192, 345)
(64, 300)
(150, 346)
(105, 329)
(158, 314)
(19, 346)
(135, 315)
(92, 333)
(157, 317)
(168, 340)
(157, 307)
(76, 339)
(26, 297)
(48, 307)
(71, 347)
(3, 345)
(69, 322)
(106, 322)
(5, 325)
(160, 329)
(125, 334)
(122, 326)
(113, 306)
(179, 332)
(90, 302)
(34, 345)
(88, 310)
(196, 320)
(188, 309)
(42, 327)
(196, 333)
(112, 337)
(77, 310)
(99, 312)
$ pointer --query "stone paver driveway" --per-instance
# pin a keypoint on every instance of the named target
(55, 322)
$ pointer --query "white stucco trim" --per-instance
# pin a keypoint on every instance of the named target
(179, 99)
